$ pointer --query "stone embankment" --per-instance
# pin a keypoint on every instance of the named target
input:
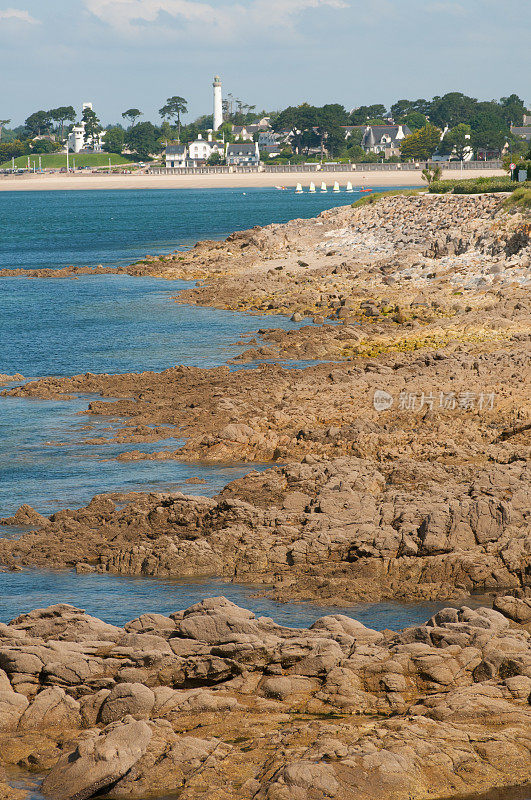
(212, 702)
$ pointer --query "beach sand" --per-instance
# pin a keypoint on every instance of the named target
(375, 178)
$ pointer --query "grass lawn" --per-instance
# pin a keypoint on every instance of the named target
(58, 160)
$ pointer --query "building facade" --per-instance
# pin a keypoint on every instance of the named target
(242, 154)
(176, 155)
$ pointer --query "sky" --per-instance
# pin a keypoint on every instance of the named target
(120, 54)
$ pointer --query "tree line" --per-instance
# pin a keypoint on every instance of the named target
(305, 129)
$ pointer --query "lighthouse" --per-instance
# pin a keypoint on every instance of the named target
(218, 108)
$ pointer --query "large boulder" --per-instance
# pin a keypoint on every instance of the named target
(66, 623)
(98, 761)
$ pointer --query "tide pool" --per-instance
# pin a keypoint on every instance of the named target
(118, 599)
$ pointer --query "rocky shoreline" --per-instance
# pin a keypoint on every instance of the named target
(213, 703)
(398, 471)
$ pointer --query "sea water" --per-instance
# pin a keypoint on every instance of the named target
(86, 228)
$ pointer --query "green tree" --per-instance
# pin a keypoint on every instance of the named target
(143, 140)
(132, 114)
(404, 107)
(422, 144)
(513, 109)
(2, 123)
(215, 160)
(92, 127)
(451, 109)
(490, 130)
(13, 149)
(45, 146)
(114, 139)
(361, 115)
(173, 109)
(61, 115)
(38, 123)
(457, 141)
(415, 120)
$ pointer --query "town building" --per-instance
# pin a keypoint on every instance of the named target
(196, 154)
(200, 150)
(76, 138)
(384, 139)
(242, 154)
(176, 155)
(269, 142)
(523, 131)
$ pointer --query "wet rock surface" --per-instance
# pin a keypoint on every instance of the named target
(214, 702)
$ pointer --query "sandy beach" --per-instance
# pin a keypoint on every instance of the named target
(57, 182)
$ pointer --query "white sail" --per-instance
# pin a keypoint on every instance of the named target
(336, 187)
(298, 188)
(349, 187)
(323, 187)
(312, 187)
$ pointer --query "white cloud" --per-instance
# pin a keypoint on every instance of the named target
(229, 17)
(18, 14)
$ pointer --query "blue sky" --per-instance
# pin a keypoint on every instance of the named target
(272, 53)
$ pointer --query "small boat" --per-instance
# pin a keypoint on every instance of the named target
(312, 188)
(298, 189)
(323, 187)
(336, 187)
(365, 190)
(349, 188)
(281, 188)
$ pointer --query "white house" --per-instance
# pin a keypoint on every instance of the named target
(201, 149)
(76, 138)
(176, 155)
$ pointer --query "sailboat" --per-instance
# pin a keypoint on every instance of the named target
(323, 187)
(312, 188)
(336, 187)
(298, 188)
(349, 188)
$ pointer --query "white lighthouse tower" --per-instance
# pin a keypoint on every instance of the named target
(218, 108)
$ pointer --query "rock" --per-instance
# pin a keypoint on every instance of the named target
(515, 608)
(51, 708)
(127, 699)
(65, 623)
(98, 761)
(12, 706)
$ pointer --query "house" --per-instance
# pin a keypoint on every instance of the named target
(523, 131)
(384, 139)
(76, 138)
(200, 150)
(242, 154)
(269, 142)
(176, 155)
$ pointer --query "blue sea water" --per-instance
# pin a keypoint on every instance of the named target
(85, 228)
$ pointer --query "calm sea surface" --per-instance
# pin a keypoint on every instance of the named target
(57, 229)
